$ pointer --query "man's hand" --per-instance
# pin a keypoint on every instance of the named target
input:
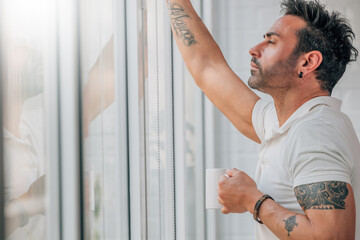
(237, 192)
(34, 199)
(322, 219)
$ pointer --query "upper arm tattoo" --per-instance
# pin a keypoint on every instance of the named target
(177, 17)
(322, 195)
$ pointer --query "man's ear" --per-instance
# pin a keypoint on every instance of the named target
(310, 62)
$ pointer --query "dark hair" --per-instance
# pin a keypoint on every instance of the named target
(329, 33)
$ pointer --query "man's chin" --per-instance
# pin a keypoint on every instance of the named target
(252, 82)
(255, 83)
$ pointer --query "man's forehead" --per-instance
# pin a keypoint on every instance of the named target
(288, 24)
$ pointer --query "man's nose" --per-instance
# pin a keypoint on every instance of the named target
(255, 51)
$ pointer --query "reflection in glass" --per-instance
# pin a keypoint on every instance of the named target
(100, 156)
(24, 39)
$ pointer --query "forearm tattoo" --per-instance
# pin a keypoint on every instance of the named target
(322, 195)
(290, 223)
(178, 16)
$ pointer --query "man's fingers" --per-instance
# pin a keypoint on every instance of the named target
(231, 172)
(223, 177)
(220, 201)
(224, 210)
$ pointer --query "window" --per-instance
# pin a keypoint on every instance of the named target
(27, 64)
(104, 183)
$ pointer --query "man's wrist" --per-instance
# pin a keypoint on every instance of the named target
(253, 199)
(258, 205)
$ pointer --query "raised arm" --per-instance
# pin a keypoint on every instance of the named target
(209, 68)
(99, 93)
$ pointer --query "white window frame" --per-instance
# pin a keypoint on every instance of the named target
(122, 115)
(136, 114)
(2, 159)
(51, 105)
(70, 118)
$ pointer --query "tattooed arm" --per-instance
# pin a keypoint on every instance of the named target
(329, 208)
(211, 72)
(329, 213)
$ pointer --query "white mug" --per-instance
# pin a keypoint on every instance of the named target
(212, 181)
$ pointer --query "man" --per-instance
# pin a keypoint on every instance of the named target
(307, 179)
(23, 140)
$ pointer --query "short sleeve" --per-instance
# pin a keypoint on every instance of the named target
(260, 117)
(317, 153)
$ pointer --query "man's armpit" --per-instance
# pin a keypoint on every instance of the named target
(322, 195)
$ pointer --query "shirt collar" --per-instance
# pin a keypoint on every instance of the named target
(307, 107)
(7, 133)
(24, 133)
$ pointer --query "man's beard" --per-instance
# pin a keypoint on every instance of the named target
(271, 77)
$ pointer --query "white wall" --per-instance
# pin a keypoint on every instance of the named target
(238, 25)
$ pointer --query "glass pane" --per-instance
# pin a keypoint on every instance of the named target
(101, 162)
(159, 122)
(155, 135)
(194, 209)
(25, 38)
(194, 153)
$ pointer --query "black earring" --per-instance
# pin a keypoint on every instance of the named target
(301, 75)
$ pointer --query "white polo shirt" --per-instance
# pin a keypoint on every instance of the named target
(317, 143)
(25, 163)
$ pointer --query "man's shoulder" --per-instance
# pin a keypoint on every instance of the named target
(325, 125)
(323, 118)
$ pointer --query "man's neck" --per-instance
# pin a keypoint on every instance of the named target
(287, 103)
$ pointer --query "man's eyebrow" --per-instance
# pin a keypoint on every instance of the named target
(269, 34)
